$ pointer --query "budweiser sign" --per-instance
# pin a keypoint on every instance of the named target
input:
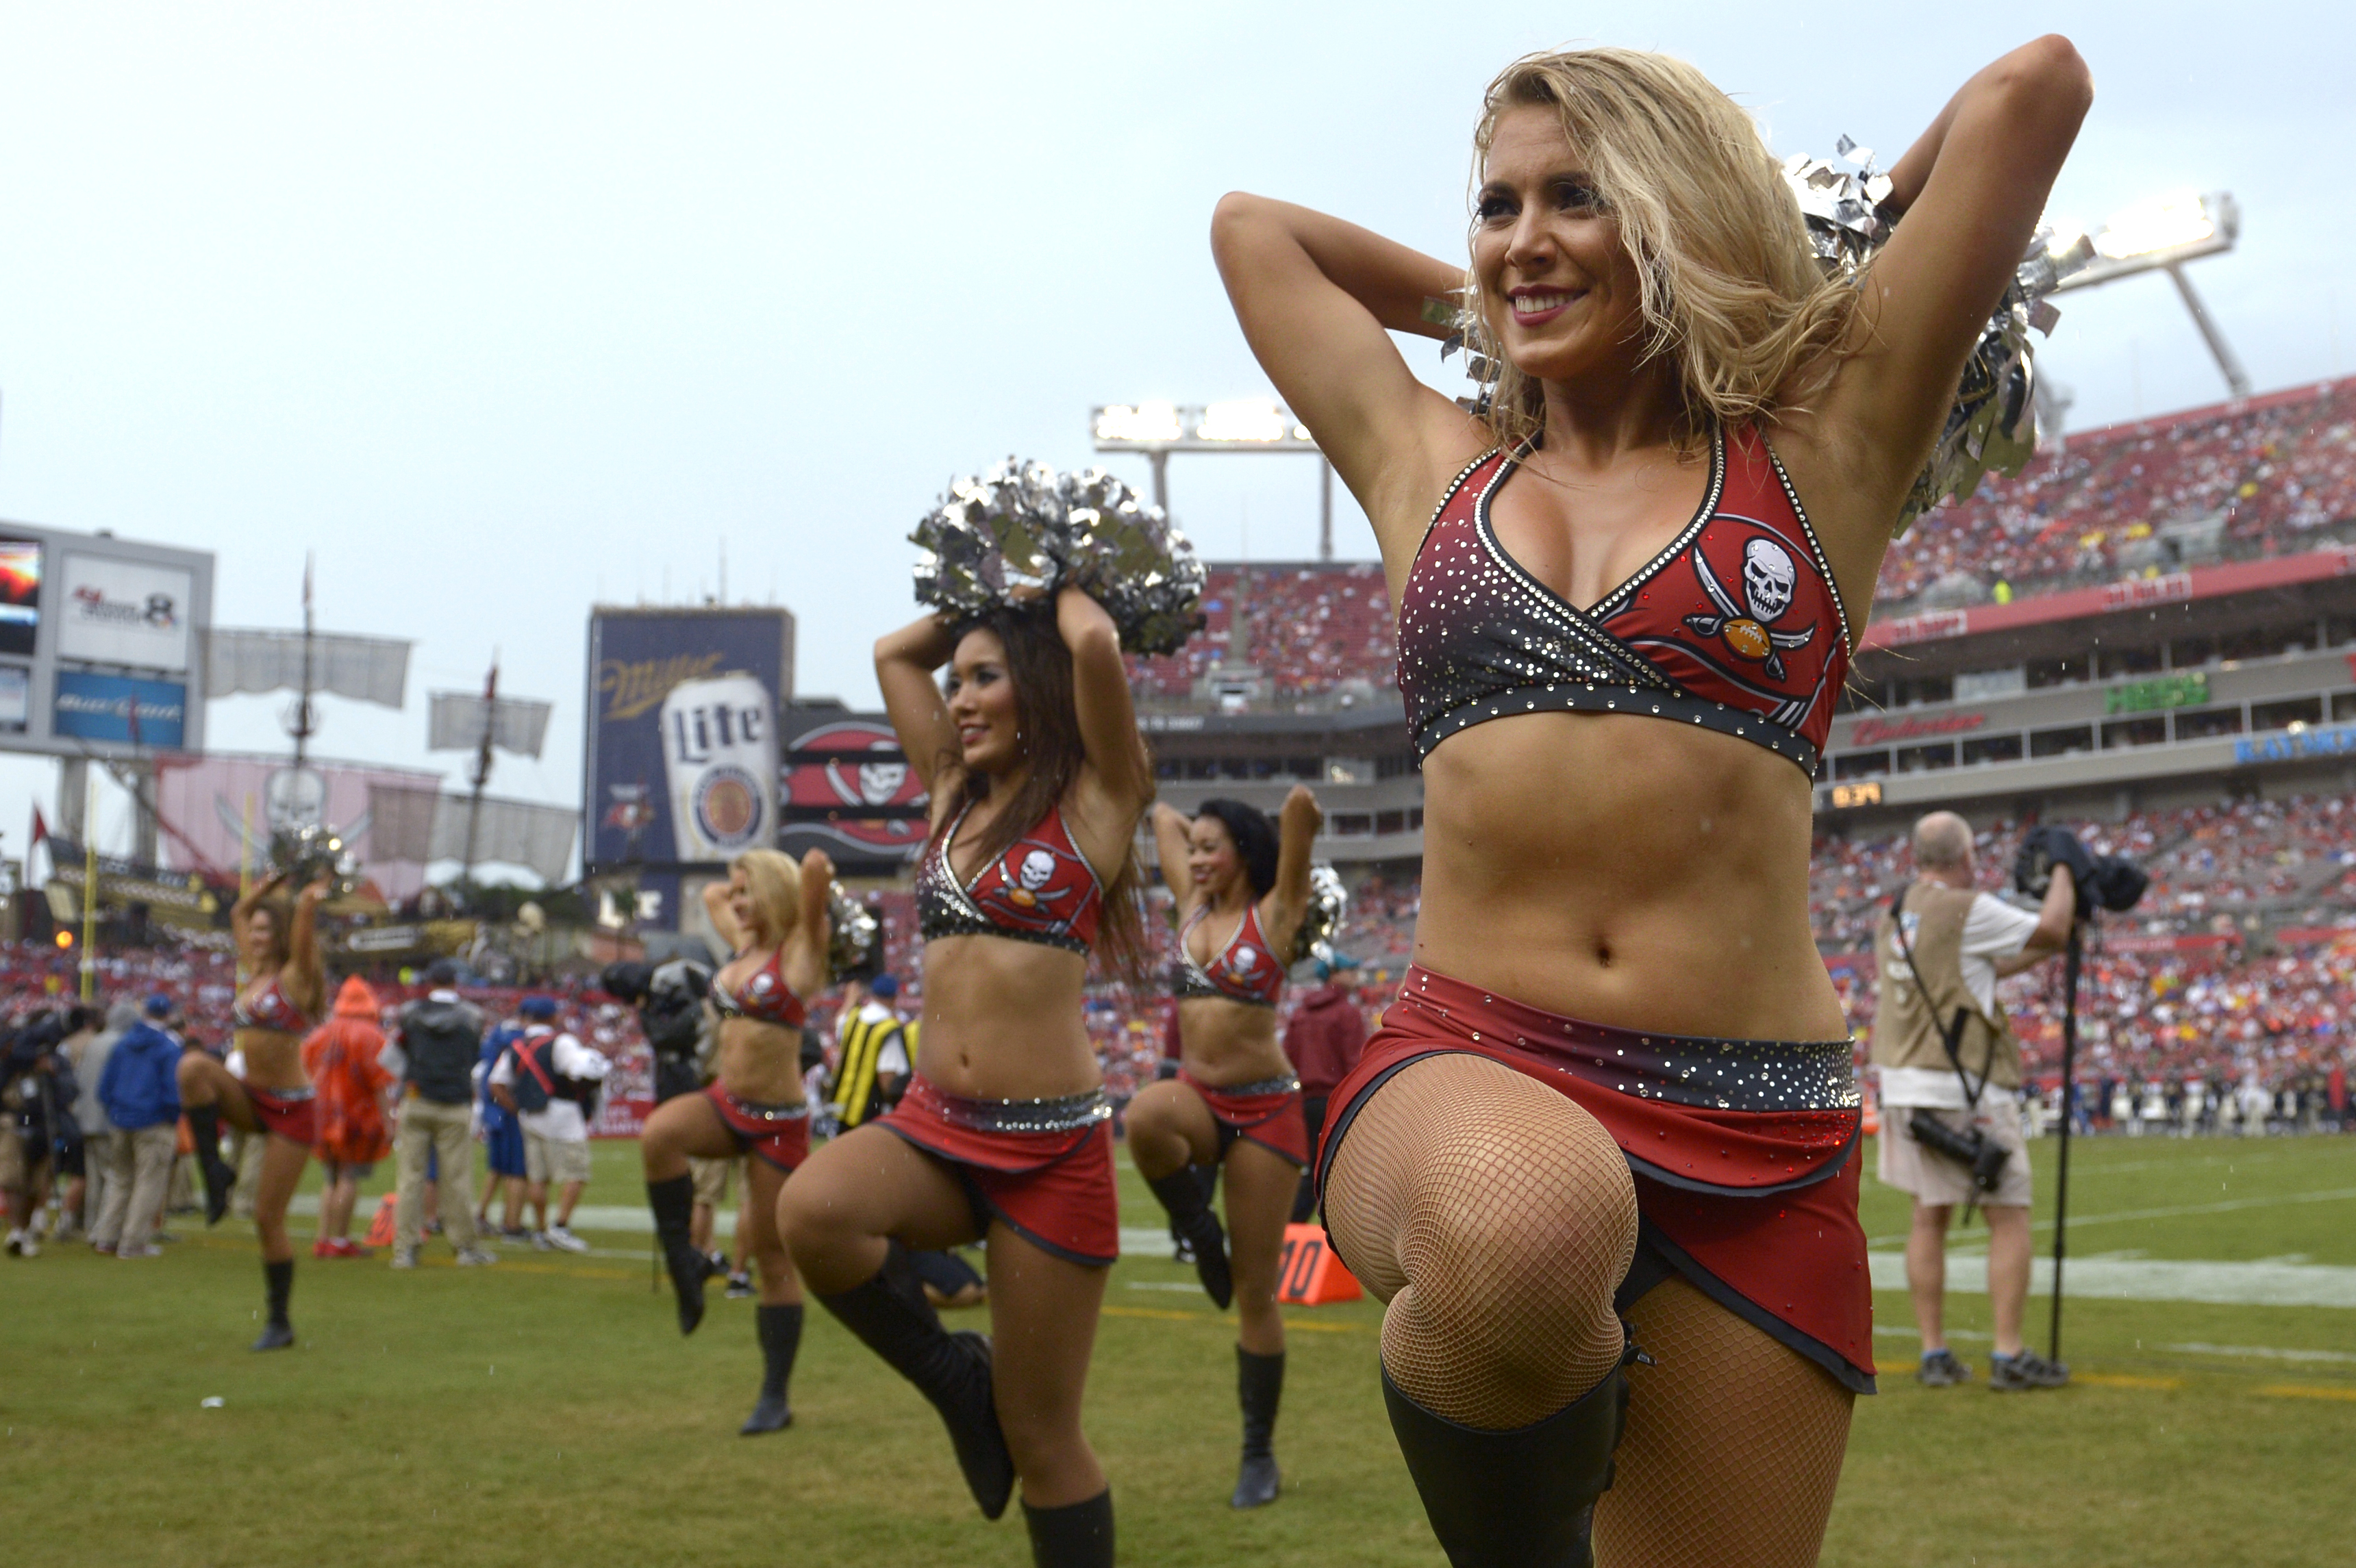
(1915, 727)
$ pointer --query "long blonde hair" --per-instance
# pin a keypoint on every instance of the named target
(1729, 289)
(777, 885)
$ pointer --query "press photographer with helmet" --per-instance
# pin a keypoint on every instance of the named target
(1950, 1077)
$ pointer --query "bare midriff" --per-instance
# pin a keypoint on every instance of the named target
(1624, 871)
(1002, 1020)
(1223, 1043)
(761, 1063)
(274, 1059)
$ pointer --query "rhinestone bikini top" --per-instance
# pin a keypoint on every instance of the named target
(1734, 626)
(267, 1006)
(1245, 970)
(766, 998)
(1038, 889)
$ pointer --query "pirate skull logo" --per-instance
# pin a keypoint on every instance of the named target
(1748, 630)
(1768, 577)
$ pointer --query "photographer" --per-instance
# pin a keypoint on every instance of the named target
(1950, 1076)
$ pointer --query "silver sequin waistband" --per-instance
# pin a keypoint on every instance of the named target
(1063, 1113)
(754, 1111)
(1284, 1085)
(1682, 1070)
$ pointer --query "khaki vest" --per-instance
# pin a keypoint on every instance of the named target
(1906, 1027)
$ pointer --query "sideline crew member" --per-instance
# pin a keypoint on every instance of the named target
(873, 1067)
(1959, 940)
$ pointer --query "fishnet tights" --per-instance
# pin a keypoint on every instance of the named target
(1496, 1218)
(1733, 1445)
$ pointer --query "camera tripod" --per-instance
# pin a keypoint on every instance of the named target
(2073, 958)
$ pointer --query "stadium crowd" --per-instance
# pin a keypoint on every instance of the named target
(2271, 476)
(2226, 1000)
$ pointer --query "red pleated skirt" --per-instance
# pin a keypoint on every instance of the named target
(1743, 1152)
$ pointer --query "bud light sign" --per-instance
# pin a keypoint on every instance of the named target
(719, 760)
(681, 738)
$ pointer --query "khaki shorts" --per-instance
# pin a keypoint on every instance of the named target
(1934, 1178)
(546, 1159)
(712, 1179)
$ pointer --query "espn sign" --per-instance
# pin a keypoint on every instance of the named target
(2140, 591)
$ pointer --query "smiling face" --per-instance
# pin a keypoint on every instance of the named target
(981, 695)
(1558, 289)
(1212, 859)
(742, 907)
(259, 946)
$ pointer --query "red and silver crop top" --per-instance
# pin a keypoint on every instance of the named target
(267, 1007)
(1038, 889)
(1245, 970)
(766, 998)
(1734, 626)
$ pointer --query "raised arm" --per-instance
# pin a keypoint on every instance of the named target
(310, 973)
(1171, 842)
(723, 919)
(1117, 754)
(905, 663)
(814, 927)
(1296, 831)
(1318, 299)
(251, 900)
(1971, 189)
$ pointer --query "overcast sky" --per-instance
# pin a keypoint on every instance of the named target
(500, 310)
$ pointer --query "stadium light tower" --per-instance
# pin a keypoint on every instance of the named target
(1244, 424)
(2162, 235)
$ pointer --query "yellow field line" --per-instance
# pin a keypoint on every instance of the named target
(1164, 1315)
(2302, 1391)
(2124, 1379)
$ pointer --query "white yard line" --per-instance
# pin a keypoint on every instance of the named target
(2153, 1279)
(2227, 1206)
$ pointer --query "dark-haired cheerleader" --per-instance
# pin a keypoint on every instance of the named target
(277, 941)
(1617, 1079)
(1037, 777)
(1242, 889)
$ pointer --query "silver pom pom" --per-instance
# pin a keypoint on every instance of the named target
(313, 851)
(1022, 530)
(855, 938)
(1993, 424)
(1328, 901)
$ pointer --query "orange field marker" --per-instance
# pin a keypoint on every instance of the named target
(1308, 1275)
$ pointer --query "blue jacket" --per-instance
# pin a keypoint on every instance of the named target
(141, 1087)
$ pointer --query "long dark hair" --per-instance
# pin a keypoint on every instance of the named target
(1048, 720)
(1256, 840)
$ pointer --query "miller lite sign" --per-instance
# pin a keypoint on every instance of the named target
(720, 760)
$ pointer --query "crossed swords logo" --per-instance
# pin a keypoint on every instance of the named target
(1768, 579)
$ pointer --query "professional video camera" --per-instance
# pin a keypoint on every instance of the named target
(670, 1000)
(2103, 881)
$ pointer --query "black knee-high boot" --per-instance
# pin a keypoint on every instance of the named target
(204, 1130)
(1077, 1535)
(1259, 1385)
(279, 1281)
(673, 1202)
(892, 1318)
(1519, 1498)
(780, 1328)
(1182, 1193)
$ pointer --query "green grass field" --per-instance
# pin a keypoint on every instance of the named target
(547, 1411)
